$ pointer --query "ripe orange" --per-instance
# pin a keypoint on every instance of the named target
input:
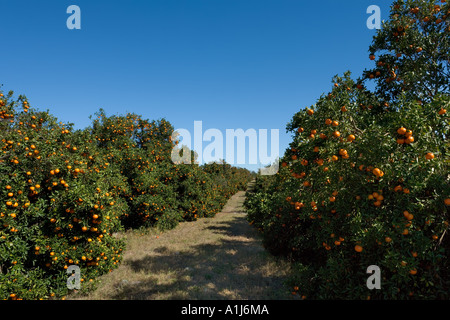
(377, 172)
(429, 156)
(409, 140)
(442, 111)
(401, 130)
(358, 248)
(387, 239)
(447, 202)
(351, 138)
(328, 121)
(310, 112)
(413, 271)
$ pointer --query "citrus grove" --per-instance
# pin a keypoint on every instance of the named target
(365, 180)
(65, 193)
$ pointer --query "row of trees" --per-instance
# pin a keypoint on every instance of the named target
(366, 180)
(65, 193)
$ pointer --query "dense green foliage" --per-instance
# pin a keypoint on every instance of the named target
(366, 178)
(65, 193)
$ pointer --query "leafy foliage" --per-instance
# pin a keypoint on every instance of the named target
(366, 178)
(64, 194)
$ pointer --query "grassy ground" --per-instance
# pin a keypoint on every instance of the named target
(212, 258)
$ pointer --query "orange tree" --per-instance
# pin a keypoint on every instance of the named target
(138, 150)
(228, 177)
(160, 193)
(202, 191)
(58, 205)
(411, 51)
(64, 193)
(366, 178)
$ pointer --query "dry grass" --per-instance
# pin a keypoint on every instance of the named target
(212, 258)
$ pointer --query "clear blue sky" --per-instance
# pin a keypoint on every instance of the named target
(229, 63)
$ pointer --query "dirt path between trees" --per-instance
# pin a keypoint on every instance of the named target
(209, 259)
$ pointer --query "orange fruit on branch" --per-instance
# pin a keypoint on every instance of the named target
(429, 156)
(409, 140)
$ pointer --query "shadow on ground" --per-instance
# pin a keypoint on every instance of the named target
(237, 267)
